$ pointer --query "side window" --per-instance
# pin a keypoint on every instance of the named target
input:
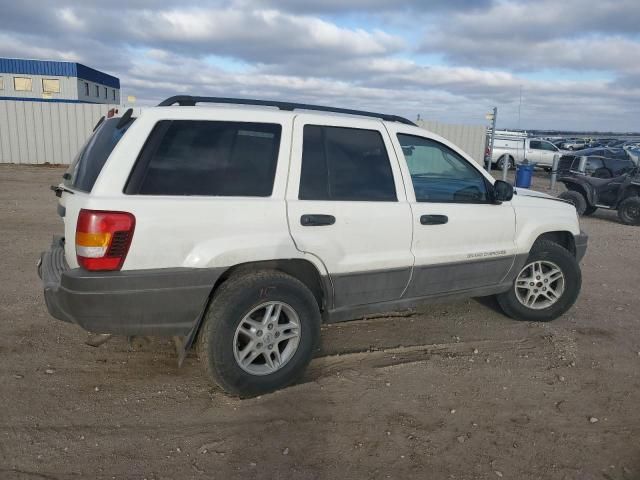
(439, 174)
(535, 144)
(594, 163)
(345, 164)
(186, 157)
(548, 146)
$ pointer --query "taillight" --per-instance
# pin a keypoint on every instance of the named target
(103, 239)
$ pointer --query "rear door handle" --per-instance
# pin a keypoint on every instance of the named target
(314, 220)
(433, 219)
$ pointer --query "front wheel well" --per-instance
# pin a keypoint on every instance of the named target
(563, 238)
(632, 191)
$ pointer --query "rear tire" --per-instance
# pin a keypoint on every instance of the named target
(576, 199)
(239, 318)
(544, 306)
(629, 211)
(503, 159)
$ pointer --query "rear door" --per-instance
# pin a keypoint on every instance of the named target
(347, 206)
(534, 151)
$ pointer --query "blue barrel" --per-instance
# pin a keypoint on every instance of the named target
(524, 171)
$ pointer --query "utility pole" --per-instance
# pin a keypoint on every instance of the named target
(492, 117)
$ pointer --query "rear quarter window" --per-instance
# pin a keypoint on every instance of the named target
(88, 163)
(208, 158)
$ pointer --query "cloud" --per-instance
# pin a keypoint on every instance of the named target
(575, 61)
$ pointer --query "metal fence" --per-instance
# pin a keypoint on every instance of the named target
(46, 132)
(50, 132)
(470, 138)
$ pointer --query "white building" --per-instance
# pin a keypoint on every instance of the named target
(40, 80)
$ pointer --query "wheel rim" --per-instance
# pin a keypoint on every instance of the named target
(539, 285)
(266, 338)
(633, 212)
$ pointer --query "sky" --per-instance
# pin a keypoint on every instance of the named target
(546, 64)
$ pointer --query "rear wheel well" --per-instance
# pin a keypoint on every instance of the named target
(565, 239)
(303, 270)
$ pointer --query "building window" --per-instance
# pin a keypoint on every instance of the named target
(97, 90)
(114, 94)
(105, 93)
(2, 85)
(50, 85)
(86, 89)
(22, 84)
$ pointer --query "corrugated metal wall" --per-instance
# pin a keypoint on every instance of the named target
(43, 132)
(470, 138)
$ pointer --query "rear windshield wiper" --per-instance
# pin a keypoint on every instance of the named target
(58, 189)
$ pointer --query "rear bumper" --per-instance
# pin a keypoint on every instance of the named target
(581, 240)
(134, 302)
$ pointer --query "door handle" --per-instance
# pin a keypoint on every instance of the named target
(433, 219)
(314, 220)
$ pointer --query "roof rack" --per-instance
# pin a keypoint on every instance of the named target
(190, 101)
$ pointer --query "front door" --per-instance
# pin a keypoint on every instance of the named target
(461, 241)
(347, 206)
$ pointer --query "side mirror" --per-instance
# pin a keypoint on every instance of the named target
(502, 191)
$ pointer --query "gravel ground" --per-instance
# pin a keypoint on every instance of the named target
(453, 390)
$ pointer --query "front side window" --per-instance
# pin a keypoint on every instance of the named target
(22, 84)
(50, 85)
(189, 157)
(345, 164)
(439, 174)
(548, 146)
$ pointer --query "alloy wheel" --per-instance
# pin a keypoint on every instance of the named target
(539, 285)
(267, 338)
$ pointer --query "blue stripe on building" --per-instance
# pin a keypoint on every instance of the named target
(61, 69)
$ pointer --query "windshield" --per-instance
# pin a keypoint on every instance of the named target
(86, 166)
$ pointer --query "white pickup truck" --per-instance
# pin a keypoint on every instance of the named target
(516, 147)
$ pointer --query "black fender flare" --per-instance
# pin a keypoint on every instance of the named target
(581, 186)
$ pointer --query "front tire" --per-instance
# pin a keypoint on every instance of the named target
(259, 333)
(546, 287)
(629, 211)
(576, 199)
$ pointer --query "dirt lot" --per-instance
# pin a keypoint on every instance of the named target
(452, 391)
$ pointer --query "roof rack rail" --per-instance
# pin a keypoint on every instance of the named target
(190, 101)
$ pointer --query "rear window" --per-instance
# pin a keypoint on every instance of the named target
(188, 157)
(86, 167)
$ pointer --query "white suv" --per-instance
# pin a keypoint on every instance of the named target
(242, 228)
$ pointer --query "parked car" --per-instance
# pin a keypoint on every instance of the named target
(243, 229)
(615, 163)
(575, 144)
(621, 193)
(516, 150)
